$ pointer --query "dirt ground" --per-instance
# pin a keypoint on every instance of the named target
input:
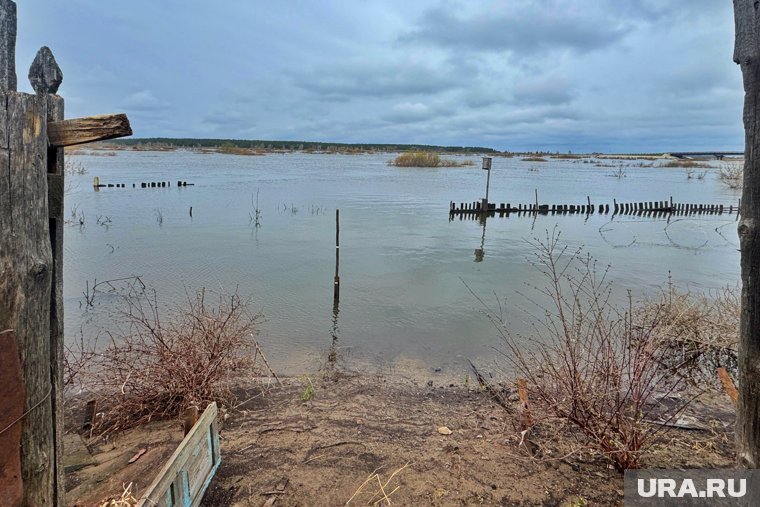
(360, 439)
(388, 440)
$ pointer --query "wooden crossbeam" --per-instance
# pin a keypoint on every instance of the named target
(88, 130)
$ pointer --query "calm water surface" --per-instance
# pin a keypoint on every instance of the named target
(405, 267)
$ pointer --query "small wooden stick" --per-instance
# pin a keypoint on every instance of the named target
(263, 358)
(526, 421)
(190, 418)
(728, 384)
(89, 415)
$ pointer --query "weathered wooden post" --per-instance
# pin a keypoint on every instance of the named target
(32, 136)
(747, 55)
(336, 283)
(26, 271)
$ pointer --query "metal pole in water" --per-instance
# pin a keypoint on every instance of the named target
(336, 289)
(487, 168)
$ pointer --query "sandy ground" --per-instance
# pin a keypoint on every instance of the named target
(358, 433)
(375, 440)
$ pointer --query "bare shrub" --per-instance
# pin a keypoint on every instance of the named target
(72, 167)
(591, 363)
(159, 365)
(732, 174)
(702, 331)
(77, 357)
(619, 174)
(696, 175)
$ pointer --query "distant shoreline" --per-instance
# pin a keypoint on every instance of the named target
(253, 148)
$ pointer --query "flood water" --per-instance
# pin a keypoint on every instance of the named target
(406, 270)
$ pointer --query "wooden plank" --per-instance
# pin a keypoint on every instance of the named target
(88, 130)
(5, 197)
(26, 267)
(12, 397)
(3, 120)
(56, 174)
(196, 459)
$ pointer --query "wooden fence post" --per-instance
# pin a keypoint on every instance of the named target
(45, 77)
(32, 136)
(26, 270)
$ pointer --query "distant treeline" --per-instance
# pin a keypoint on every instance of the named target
(294, 145)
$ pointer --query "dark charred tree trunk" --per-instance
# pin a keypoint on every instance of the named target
(747, 55)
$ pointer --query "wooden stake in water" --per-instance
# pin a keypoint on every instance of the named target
(336, 290)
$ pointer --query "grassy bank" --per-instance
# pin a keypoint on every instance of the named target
(426, 159)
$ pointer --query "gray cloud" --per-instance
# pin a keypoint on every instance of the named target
(525, 28)
(414, 112)
(621, 75)
(551, 90)
(225, 120)
(144, 101)
(374, 78)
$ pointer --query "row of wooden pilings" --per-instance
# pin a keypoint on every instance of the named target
(624, 208)
(153, 184)
(162, 184)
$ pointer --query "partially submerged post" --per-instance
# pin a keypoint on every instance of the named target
(336, 283)
(31, 262)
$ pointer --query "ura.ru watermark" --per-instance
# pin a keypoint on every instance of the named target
(692, 487)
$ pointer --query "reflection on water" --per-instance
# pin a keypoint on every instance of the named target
(481, 252)
(332, 355)
(261, 225)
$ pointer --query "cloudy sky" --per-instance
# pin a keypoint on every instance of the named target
(580, 75)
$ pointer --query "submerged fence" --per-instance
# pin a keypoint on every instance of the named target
(648, 208)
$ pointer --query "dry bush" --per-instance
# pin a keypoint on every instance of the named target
(732, 174)
(699, 175)
(701, 334)
(426, 159)
(417, 159)
(567, 156)
(231, 148)
(591, 363)
(161, 364)
(534, 159)
(685, 163)
(72, 167)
